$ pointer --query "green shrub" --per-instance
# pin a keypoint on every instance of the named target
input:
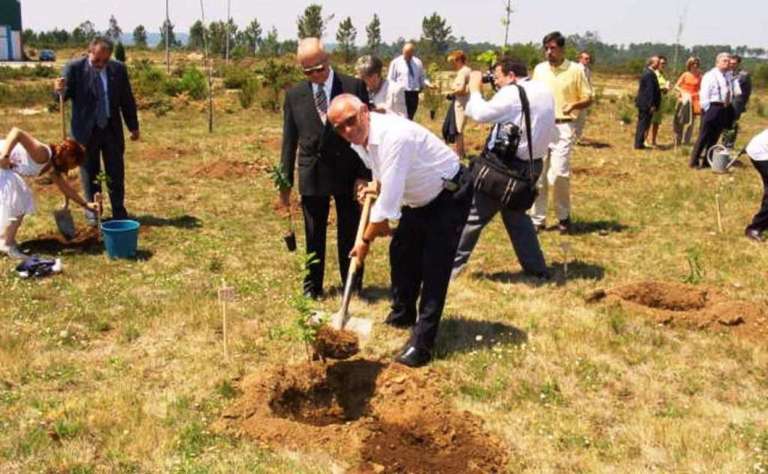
(192, 81)
(248, 93)
(25, 95)
(760, 108)
(276, 77)
(120, 52)
(148, 81)
(236, 77)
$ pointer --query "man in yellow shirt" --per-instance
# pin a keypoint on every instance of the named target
(573, 93)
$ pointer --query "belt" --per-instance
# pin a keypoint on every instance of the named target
(716, 103)
(559, 121)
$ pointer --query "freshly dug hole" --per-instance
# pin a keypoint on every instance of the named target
(667, 296)
(332, 343)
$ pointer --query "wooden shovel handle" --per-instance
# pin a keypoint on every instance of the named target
(63, 117)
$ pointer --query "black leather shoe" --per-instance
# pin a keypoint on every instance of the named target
(564, 226)
(399, 321)
(754, 235)
(413, 357)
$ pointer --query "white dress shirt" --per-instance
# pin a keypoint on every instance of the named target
(505, 107)
(390, 97)
(409, 161)
(328, 87)
(398, 72)
(715, 87)
(758, 146)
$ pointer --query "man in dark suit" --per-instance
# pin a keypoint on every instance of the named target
(648, 101)
(327, 165)
(101, 98)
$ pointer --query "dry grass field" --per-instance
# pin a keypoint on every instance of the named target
(118, 366)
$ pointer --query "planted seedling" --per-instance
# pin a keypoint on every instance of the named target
(282, 184)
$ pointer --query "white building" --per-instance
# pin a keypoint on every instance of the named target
(10, 31)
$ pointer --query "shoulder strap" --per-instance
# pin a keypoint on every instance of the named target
(527, 117)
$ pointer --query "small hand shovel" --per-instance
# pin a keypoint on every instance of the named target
(64, 221)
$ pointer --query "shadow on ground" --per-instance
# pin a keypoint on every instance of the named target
(602, 227)
(577, 270)
(459, 335)
(182, 222)
(594, 144)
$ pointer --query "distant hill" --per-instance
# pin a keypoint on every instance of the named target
(153, 38)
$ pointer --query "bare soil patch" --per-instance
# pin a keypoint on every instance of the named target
(680, 305)
(223, 169)
(86, 240)
(371, 416)
(601, 172)
(161, 153)
(335, 344)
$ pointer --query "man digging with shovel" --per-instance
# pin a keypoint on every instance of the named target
(423, 186)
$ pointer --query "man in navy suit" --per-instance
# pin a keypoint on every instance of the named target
(648, 101)
(326, 163)
(101, 99)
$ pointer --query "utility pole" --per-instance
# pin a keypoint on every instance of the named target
(167, 40)
(680, 27)
(506, 21)
(210, 69)
(229, 16)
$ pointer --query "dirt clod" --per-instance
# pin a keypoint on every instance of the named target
(335, 344)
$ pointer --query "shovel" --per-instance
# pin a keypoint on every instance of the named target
(342, 320)
(63, 216)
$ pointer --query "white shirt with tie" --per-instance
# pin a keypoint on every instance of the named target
(408, 160)
(715, 87)
(412, 79)
(505, 107)
(105, 85)
(327, 88)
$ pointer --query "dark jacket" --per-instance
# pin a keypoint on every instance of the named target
(649, 93)
(81, 88)
(327, 164)
(740, 101)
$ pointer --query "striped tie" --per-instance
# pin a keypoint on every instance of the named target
(321, 101)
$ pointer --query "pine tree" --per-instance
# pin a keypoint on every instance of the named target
(167, 28)
(140, 37)
(373, 30)
(120, 52)
(437, 33)
(345, 37)
(271, 44)
(114, 32)
(197, 33)
(252, 35)
(312, 24)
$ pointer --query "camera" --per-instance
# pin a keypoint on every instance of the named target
(488, 77)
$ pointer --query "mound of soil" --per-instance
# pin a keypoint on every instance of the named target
(675, 304)
(222, 169)
(373, 417)
(86, 240)
(335, 344)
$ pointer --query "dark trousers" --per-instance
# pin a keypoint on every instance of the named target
(105, 145)
(760, 221)
(411, 103)
(643, 124)
(421, 257)
(315, 209)
(714, 120)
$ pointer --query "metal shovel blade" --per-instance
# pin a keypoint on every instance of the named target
(65, 223)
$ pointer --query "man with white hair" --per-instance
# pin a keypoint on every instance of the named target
(423, 186)
(385, 96)
(327, 165)
(716, 97)
(408, 71)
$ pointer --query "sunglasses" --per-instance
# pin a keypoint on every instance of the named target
(350, 121)
(308, 71)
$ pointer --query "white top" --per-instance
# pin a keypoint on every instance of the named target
(408, 160)
(399, 72)
(22, 163)
(587, 73)
(715, 87)
(758, 146)
(327, 87)
(390, 97)
(505, 106)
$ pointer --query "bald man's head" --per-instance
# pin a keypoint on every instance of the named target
(313, 59)
(408, 50)
(350, 118)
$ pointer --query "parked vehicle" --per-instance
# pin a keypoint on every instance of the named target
(47, 55)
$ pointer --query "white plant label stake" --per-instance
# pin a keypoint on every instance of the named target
(226, 295)
(566, 248)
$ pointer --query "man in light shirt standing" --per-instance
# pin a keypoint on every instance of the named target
(408, 71)
(716, 95)
(585, 62)
(758, 153)
(385, 95)
(569, 86)
(423, 186)
(506, 107)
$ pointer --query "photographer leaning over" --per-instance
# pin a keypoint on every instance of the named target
(507, 146)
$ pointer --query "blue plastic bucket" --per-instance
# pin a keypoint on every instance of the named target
(121, 238)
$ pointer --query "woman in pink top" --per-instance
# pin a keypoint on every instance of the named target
(688, 105)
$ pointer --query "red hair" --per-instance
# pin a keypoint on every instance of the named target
(67, 155)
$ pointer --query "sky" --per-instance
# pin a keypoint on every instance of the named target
(616, 21)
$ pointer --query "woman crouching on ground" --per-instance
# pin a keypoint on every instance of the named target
(22, 155)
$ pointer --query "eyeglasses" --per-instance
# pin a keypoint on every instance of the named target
(350, 121)
(308, 71)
